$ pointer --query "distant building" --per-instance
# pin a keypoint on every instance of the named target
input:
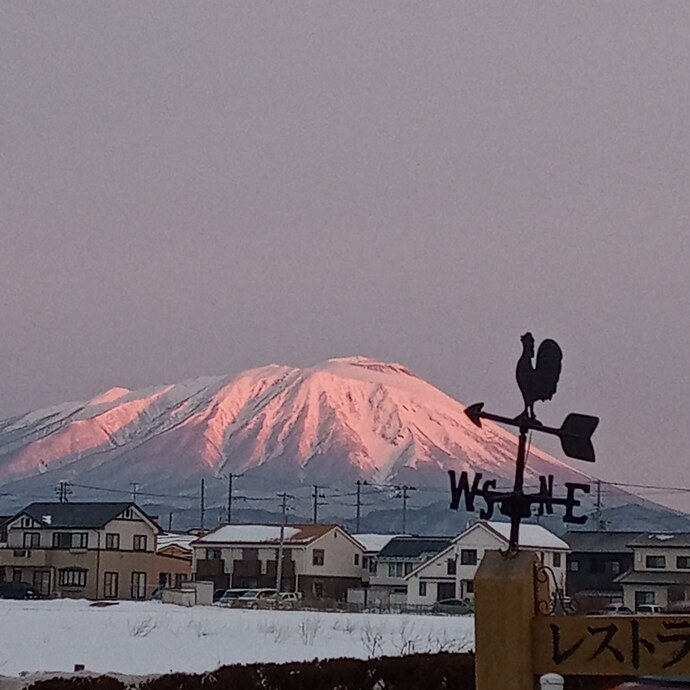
(91, 550)
(596, 560)
(320, 561)
(661, 570)
(450, 573)
(399, 557)
(373, 545)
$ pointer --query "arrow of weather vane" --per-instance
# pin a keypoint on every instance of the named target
(537, 382)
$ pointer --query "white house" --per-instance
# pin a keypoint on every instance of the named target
(660, 573)
(372, 544)
(450, 573)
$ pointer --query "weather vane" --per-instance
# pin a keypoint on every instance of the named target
(537, 382)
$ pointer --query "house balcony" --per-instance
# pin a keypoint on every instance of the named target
(211, 569)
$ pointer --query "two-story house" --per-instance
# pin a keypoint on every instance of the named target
(320, 561)
(91, 550)
(661, 570)
(595, 560)
(450, 573)
(399, 557)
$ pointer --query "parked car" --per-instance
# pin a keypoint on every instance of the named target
(17, 590)
(649, 608)
(253, 598)
(612, 610)
(457, 607)
(284, 600)
(218, 593)
(229, 596)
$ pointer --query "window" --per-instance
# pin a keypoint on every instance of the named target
(396, 569)
(26, 522)
(138, 590)
(451, 566)
(69, 540)
(112, 541)
(422, 589)
(250, 554)
(110, 585)
(644, 598)
(72, 577)
(615, 567)
(655, 561)
(16, 574)
(556, 560)
(468, 557)
(372, 566)
(140, 543)
(574, 565)
(62, 540)
(212, 554)
(407, 568)
(317, 589)
(80, 540)
(356, 559)
(179, 579)
(469, 586)
(318, 557)
(32, 540)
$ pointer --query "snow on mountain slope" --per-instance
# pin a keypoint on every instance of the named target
(349, 418)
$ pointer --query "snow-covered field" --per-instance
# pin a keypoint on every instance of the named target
(149, 637)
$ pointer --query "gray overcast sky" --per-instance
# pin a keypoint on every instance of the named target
(194, 188)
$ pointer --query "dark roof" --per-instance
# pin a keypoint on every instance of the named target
(648, 577)
(601, 541)
(413, 547)
(662, 539)
(76, 515)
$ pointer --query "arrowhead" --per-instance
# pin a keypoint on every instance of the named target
(474, 412)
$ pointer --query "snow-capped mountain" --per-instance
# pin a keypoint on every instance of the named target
(347, 419)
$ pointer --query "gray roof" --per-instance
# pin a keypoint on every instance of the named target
(601, 541)
(77, 515)
(648, 577)
(413, 547)
(663, 539)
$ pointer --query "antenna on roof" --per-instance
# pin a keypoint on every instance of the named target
(63, 491)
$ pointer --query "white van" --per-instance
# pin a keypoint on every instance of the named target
(650, 608)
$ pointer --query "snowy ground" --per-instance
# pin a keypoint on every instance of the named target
(149, 637)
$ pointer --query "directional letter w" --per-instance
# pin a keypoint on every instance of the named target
(458, 488)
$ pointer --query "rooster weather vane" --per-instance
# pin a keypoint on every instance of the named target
(537, 382)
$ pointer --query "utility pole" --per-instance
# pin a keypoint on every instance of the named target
(601, 523)
(170, 517)
(316, 496)
(359, 505)
(202, 507)
(231, 476)
(281, 542)
(63, 491)
(403, 492)
(135, 491)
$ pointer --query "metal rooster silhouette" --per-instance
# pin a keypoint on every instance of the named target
(538, 382)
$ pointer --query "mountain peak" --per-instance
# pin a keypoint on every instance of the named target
(348, 418)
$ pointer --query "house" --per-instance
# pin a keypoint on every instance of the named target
(399, 557)
(91, 550)
(320, 561)
(176, 545)
(595, 560)
(450, 573)
(661, 570)
(372, 544)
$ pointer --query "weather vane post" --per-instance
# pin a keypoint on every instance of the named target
(537, 382)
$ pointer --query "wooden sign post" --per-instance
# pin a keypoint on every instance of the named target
(515, 643)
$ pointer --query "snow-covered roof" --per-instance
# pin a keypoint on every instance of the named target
(184, 541)
(260, 534)
(374, 542)
(531, 536)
